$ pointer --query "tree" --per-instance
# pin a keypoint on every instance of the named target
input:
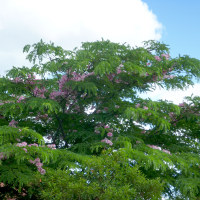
(74, 127)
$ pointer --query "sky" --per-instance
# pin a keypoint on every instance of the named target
(68, 23)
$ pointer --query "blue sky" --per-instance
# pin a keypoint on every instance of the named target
(181, 22)
(181, 31)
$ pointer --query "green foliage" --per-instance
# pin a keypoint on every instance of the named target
(101, 178)
(80, 130)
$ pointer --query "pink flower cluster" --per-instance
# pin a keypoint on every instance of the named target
(39, 165)
(30, 76)
(20, 99)
(154, 147)
(52, 146)
(166, 151)
(169, 76)
(137, 105)
(73, 76)
(81, 77)
(109, 134)
(171, 114)
(181, 104)
(34, 144)
(2, 156)
(97, 130)
(106, 126)
(25, 150)
(39, 92)
(111, 76)
(39, 116)
(56, 94)
(159, 148)
(119, 69)
(13, 123)
(31, 79)
(157, 58)
(18, 80)
(62, 81)
(145, 108)
(166, 56)
(22, 144)
(107, 141)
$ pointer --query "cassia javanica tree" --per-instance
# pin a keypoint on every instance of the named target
(73, 126)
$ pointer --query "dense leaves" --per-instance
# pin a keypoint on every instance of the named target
(74, 127)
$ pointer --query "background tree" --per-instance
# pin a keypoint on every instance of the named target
(104, 141)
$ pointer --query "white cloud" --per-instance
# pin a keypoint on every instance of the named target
(123, 21)
(176, 96)
(68, 23)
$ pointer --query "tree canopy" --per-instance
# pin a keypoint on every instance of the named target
(73, 126)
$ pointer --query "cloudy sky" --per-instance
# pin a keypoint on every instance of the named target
(68, 23)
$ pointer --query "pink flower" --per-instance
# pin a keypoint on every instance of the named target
(1, 156)
(119, 70)
(13, 123)
(20, 99)
(154, 147)
(148, 64)
(181, 104)
(171, 114)
(106, 126)
(157, 58)
(62, 82)
(169, 76)
(41, 170)
(29, 76)
(111, 76)
(34, 144)
(145, 108)
(37, 160)
(39, 164)
(138, 142)
(25, 150)
(32, 162)
(52, 146)
(117, 81)
(18, 80)
(23, 144)
(166, 56)
(137, 105)
(107, 141)
(39, 92)
(109, 134)
(116, 106)
(56, 94)
(166, 151)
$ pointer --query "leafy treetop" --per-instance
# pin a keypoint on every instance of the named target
(86, 105)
